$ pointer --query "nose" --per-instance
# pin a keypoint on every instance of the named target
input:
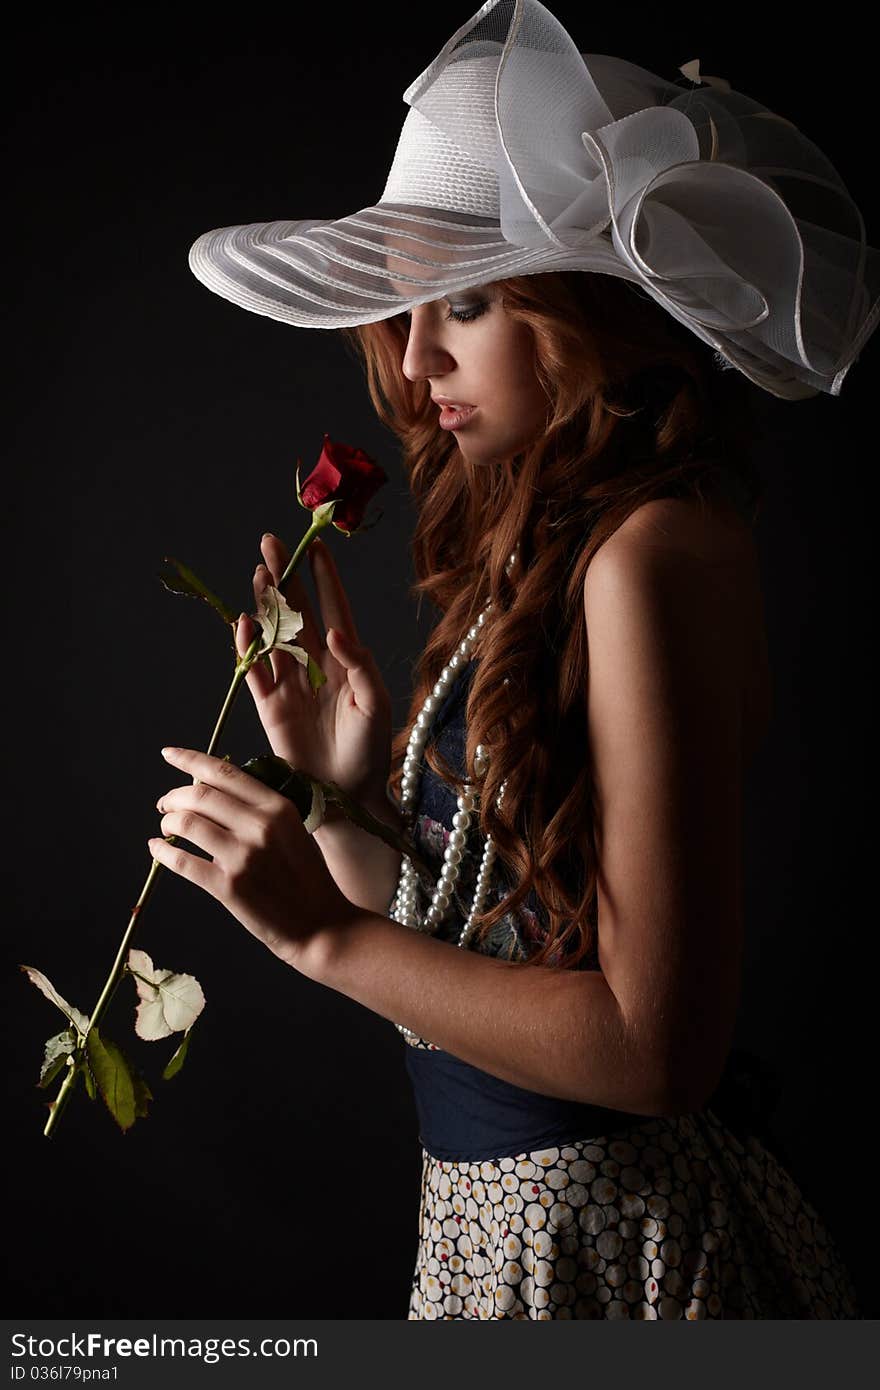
(425, 355)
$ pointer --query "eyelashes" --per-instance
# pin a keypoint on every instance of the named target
(467, 315)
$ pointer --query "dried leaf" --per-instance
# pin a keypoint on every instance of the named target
(278, 620)
(280, 623)
(318, 809)
(80, 1021)
(169, 1003)
(58, 1049)
(300, 653)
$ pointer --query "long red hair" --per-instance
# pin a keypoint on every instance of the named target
(638, 407)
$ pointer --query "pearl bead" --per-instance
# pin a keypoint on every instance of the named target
(404, 904)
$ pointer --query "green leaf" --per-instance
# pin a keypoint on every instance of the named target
(187, 583)
(276, 773)
(88, 1078)
(170, 1003)
(316, 675)
(114, 1078)
(176, 1062)
(45, 986)
(142, 1096)
(58, 1049)
(306, 795)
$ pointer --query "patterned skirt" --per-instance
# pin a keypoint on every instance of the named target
(675, 1218)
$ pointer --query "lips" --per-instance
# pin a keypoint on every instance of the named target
(455, 417)
(451, 404)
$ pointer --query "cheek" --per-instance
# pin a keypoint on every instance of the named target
(519, 353)
(520, 386)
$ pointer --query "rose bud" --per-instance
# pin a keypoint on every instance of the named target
(345, 475)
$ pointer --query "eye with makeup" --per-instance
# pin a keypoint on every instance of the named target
(465, 313)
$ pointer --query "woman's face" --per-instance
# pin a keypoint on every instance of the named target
(483, 358)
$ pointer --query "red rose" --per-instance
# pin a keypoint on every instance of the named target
(345, 475)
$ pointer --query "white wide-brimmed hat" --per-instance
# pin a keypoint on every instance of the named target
(521, 155)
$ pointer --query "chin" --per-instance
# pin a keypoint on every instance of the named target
(479, 458)
(478, 452)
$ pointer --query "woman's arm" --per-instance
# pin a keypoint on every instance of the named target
(651, 1032)
(532, 1025)
(365, 868)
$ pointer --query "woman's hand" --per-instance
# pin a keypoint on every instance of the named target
(265, 867)
(342, 732)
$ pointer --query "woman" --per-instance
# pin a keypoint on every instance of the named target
(573, 771)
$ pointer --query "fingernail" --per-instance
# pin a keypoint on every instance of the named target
(267, 536)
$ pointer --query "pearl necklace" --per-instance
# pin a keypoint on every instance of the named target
(404, 907)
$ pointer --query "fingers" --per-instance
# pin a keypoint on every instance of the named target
(223, 777)
(202, 872)
(199, 831)
(335, 609)
(343, 642)
(360, 668)
(259, 679)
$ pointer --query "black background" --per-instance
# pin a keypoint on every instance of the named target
(278, 1174)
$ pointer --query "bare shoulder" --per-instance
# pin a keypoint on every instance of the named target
(705, 560)
(713, 532)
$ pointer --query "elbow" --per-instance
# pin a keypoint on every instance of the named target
(686, 1085)
(681, 1068)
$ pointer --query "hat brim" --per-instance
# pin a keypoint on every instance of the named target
(374, 263)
